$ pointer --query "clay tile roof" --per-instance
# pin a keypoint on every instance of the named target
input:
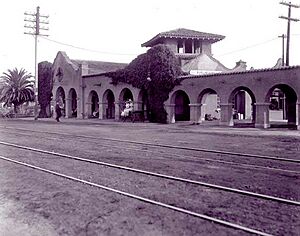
(241, 72)
(182, 33)
(95, 67)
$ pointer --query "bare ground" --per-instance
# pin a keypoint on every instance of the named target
(33, 203)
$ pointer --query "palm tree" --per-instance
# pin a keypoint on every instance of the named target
(17, 88)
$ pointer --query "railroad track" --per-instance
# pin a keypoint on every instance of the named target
(145, 199)
(189, 181)
(148, 200)
(139, 147)
(160, 155)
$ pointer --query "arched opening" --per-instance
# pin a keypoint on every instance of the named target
(143, 104)
(93, 108)
(108, 105)
(125, 95)
(243, 106)
(182, 108)
(61, 98)
(282, 108)
(73, 103)
(210, 105)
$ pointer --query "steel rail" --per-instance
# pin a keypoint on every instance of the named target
(219, 187)
(169, 146)
(143, 199)
(184, 157)
(204, 150)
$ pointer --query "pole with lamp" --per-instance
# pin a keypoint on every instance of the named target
(148, 113)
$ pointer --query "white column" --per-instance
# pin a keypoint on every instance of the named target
(88, 109)
(170, 109)
(298, 115)
(117, 111)
(226, 114)
(262, 115)
(195, 113)
(101, 110)
(68, 107)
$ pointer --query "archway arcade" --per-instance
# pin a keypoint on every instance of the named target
(257, 98)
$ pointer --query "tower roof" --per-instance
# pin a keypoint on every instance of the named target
(182, 33)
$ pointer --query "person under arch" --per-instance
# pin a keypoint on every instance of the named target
(128, 108)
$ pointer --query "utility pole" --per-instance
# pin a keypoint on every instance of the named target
(289, 19)
(283, 36)
(35, 26)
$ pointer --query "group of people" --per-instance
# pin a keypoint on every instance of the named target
(125, 113)
(128, 108)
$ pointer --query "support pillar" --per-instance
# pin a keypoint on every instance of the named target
(117, 111)
(203, 112)
(102, 113)
(195, 113)
(80, 108)
(136, 106)
(77, 106)
(68, 106)
(298, 115)
(52, 108)
(262, 115)
(193, 46)
(170, 109)
(226, 114)
(88, 110)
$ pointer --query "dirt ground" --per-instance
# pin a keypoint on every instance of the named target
(35, 204)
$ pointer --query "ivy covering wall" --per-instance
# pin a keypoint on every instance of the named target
(45, 85)
(155, 72)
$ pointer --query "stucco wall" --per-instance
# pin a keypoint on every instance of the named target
(172, 44)
(259, 82)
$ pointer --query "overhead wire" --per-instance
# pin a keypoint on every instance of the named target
(87, 49)
(248, 47)
(132, 54)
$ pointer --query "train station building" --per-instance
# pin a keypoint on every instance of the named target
(210, 91)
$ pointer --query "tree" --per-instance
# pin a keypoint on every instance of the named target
(17, 88)
(162, 67)
(45, 85)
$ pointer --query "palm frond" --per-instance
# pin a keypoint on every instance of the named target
(18, 87)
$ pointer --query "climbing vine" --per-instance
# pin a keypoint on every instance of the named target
(45, 85)
(156, 72)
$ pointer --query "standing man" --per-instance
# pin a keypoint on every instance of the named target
(58, 111)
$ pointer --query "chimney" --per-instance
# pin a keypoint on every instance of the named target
(84, 68)
(241, 64)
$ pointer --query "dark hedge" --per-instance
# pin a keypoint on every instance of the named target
(45, 75)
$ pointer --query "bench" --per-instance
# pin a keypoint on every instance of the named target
(135, 116)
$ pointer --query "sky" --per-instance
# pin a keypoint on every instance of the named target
(113, 30)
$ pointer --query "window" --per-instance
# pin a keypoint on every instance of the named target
(188, 46)
(180, 47)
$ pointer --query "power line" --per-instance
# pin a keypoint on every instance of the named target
(248, 47)
(90, 50)
(129, 54)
